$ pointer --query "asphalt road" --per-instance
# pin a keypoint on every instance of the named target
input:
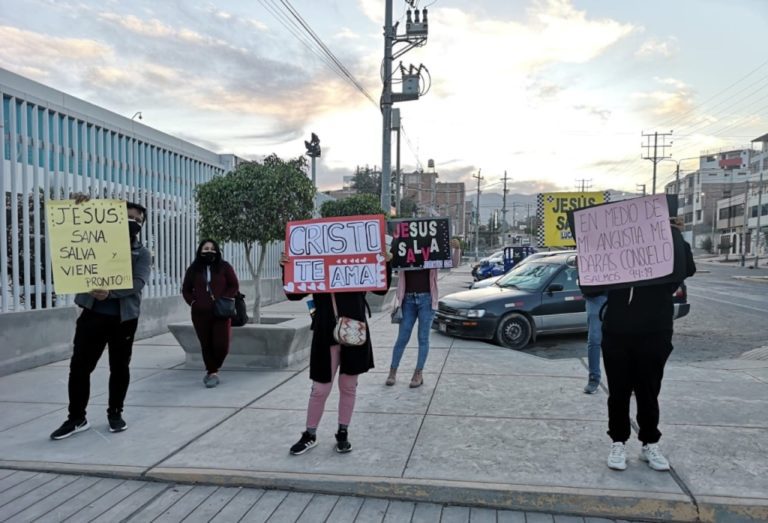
(728, 317)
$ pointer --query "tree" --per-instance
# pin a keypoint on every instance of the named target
(367, 181)
(408, 207)
(359, 204)
(252, 204)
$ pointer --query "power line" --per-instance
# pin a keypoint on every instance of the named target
(692, 110)
(292, 10)
(415, 153)
(324, 53)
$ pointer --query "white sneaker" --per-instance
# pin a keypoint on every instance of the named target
(652, 455)
(617, 459)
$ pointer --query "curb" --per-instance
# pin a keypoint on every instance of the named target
(606, 503)
(562, 500)
(761, 279)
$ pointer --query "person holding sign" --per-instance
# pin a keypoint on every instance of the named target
(109, 319)
(417, 296)
(208, 279)
(327, 357)
(637, 340)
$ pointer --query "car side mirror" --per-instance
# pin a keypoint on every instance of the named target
(555, 287)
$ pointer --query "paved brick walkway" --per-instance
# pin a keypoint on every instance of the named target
(42, 497)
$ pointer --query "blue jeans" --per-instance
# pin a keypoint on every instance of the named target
(415, 305)
(594, 334)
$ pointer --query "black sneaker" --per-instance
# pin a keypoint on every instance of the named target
(306, 442)
(342, 442)
(70, 427)
(116, 423)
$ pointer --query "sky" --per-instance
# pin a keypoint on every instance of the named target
(551, 91)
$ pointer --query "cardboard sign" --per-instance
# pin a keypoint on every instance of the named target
(624, 242)
(552, 209)
(335, 255)
(90, 245)
(421, 243)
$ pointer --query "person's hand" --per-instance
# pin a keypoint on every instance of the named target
(283, 259)
(387, 255)
(100, 294)
(80, 197)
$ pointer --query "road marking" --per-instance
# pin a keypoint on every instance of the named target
(728, 302)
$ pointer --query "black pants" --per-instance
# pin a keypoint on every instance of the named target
(635, 363)
(213, 334)
(95, 331)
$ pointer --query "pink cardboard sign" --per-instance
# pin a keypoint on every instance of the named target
(335, 255)
(624, 242)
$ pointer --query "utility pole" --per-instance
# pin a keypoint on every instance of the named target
(583, 185)
(530, 223)
(744, 226)
(657, 155)
(396, 127)
(759, 213)
(416, 30)
(504, 227)
(386, 109)
(477, 216)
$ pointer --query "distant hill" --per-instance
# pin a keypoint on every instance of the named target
(490, 201)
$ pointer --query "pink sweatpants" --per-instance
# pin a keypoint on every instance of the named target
(321, 391)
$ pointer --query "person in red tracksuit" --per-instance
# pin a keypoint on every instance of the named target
(210, 277)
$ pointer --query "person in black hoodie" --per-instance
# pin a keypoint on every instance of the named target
(637, 340)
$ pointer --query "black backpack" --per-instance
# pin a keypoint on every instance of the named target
(241, 312)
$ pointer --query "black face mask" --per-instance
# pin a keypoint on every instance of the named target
(208, 257)
(134, 228)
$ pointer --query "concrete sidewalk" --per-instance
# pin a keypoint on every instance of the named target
(490, 428)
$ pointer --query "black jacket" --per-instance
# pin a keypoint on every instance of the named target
(354, 360)
(644, 309)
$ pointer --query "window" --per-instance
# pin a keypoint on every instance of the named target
(568, 278)
(698, 215)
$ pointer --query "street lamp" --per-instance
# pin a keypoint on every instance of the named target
(137, 113)
(313, 151)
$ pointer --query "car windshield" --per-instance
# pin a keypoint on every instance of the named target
(528, 277)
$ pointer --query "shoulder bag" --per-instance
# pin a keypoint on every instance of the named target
(347, 331)
(223, 308)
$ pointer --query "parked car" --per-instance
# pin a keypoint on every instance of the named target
(535, 256)
(536, 298)
(498, 255)
(502, 261)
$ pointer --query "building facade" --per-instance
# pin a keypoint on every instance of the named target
(54, 145)
(723, 201)
(435, 198)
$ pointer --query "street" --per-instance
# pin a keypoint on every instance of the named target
(727, 318)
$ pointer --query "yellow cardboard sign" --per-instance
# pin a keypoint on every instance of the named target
(90, 245)
(553, 218)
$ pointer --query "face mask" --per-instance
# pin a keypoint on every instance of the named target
(134, 228)
(208, 257)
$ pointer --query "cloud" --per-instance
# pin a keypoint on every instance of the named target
(603, 114)
(675, 100)
(345, 33)
(655, 48)
(38, 54)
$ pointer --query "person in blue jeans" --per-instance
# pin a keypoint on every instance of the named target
(595, 302)
(417, 296)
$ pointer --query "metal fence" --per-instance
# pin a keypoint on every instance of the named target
(49, 153)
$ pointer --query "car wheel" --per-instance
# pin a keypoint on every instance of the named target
(513, 331)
